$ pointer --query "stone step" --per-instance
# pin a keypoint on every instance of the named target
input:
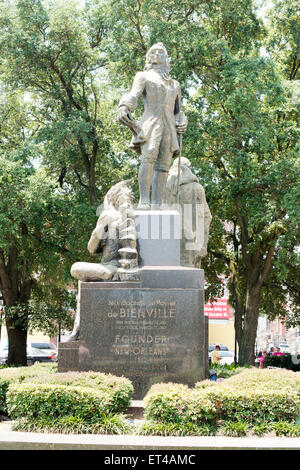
(135, 410)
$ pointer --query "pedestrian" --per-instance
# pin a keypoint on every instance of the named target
(261, 359)
(271, 352)
(215, 355)
(259, 355)
(278, 352)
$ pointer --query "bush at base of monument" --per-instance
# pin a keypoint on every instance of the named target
(110, 424)
(120, 389)
(252, 396)
(56, 401)
(179, 404)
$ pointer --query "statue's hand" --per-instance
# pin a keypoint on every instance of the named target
(124, 116)
(181, 123)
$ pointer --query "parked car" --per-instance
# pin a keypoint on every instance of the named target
(227, 357)
(34, 355)
(45, 346)
(284, 347)
(211, 347)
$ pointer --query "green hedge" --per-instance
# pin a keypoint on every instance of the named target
(4, 384)
(55, 401)
(264, 380)
(110, 424)
(178, 404)
(119, 388)
(252, 396)
(253, 406)
(287, 362)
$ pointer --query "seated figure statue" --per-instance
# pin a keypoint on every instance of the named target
(187, 195)
(114, 237)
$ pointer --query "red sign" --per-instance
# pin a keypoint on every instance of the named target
(217, 310)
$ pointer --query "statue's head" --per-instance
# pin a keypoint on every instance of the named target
(183, 162)
(117, 194)
(157, 57)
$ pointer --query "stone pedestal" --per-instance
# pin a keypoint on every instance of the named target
(68, 358)
(158, 234)
(149, 331)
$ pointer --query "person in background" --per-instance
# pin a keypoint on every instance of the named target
(278, 352)
(256, 362)
(215, 355)
(271, 352)
(261, 359)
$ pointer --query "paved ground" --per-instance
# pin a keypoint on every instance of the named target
(12, 440)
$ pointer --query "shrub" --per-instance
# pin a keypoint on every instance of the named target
(176, 429)
(234, 428)
(53, 401)
(205, 384)
(254, 406)
(252, 396)
(262, 428)
(111, 424)
(179, 405)
(3, 390)
(286, 429)
(265, 380)
(285, 361)
(120, 388)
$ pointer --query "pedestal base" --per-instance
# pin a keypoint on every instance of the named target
(149, 331)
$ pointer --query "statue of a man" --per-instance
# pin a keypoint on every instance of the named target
(155, 134)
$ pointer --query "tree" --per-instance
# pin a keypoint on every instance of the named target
(243, 136)
(244, 154)
(39, 224)
(52, 50)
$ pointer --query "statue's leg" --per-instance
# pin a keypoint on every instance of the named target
(145, 181)
(158, 187)
(161, 169)
(149, 156)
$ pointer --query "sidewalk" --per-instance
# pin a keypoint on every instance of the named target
(13, 440)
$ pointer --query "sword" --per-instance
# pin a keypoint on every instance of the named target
(179, 158)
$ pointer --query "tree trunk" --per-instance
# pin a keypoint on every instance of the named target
(92, 186)
(16, 290)
(247, 337)
(17, 339)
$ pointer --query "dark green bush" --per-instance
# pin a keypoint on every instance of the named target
(286, 429)
(119, 388)
(179, 405)
(3, 390)
(55, 401)
(252, 396)
(287, 361)
(111, 424)
(234, 428)
(176, 429)
(254, 406)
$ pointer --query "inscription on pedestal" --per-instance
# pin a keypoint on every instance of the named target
(147, 335)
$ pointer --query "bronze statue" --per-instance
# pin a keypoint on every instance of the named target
(155, 134)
